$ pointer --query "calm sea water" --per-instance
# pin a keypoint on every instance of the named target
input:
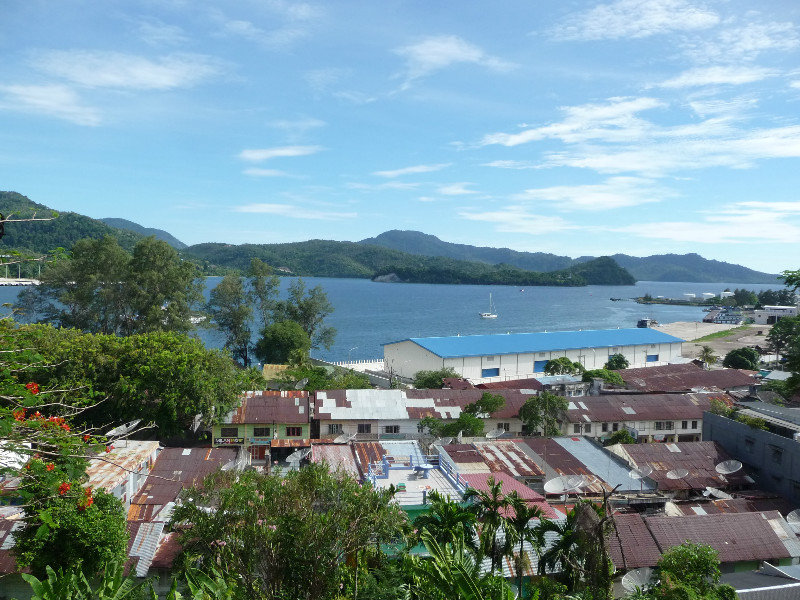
(369, 314)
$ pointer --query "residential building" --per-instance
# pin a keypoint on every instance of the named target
(265, 419)
(687, 377)
(484, 358)
(123, 469)
(769, 315)
(648, 417)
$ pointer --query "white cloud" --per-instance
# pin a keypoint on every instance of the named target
(51, 100)
(254, 172)
(295, 212)
(615, 192)
(126, 71)
(636, 19)
(439, 52)
(412, 170)
(735, 45)
(262, 154)
(389, 185)
(733, 75)
(297, 126)
(157, 33)
(510, 164)
(614, 120)
(517, 219)
(456, 189)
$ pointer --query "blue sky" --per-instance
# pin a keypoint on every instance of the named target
(573, 127)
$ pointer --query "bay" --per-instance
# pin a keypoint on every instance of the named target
(369, 314)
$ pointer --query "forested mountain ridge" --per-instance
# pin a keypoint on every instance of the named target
(63, 231)
(659, 267)
(159, 234)
(325, 258)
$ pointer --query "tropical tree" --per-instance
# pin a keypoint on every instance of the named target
(562, 555)
(784, 333)
(742, 358)
(280, 341)
(544, 412)
(563, 366)
(621, 436)
(611, 377)
(72, 584)
(309, 308)
(690, 571)
(616, 362)
(489, 507)
(433, 380)
(708, 356)
(231, 311)
(518, 529)
(447, 521)
(486, 405)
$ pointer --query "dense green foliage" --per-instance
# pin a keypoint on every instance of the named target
(434, 380)
(323, 258)
(323, 378)
(280, 341)
(162, 377)
(297, 528)
(611, 377)
(621, 436)
(616, 362)
(308, 308)
(101, 288)
(486, 405)
(544, 413)
(563, 366)
(660, 267)
(742, 358)
(159, 234)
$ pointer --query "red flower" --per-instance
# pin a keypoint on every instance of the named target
(109, 448)
(86, 438)
(50, 466)
(64, 488)
(19, 415)
(33, 387)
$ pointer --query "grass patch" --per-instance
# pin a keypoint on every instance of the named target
(722, 334)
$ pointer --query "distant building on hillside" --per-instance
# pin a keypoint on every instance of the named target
(486, 358)
(769, 315)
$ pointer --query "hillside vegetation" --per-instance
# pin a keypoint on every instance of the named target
(159, 234)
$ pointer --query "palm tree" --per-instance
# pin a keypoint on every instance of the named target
(519, 531)
(707, 356)
(446, 520)
(563, 553)
(489, 507)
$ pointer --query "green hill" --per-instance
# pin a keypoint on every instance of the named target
(159, 234)
(660, 267)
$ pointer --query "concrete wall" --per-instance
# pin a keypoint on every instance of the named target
(774, 459)
(647, 431)
(407, 428)
(406, 358)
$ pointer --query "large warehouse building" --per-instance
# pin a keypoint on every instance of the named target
(520, 355)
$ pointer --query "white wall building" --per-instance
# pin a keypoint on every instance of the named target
(769, 315)
(521, 355)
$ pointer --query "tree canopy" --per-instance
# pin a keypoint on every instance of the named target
(433, 380)
(742, 358)
(544, 413)
(616, 362)
(563, 366)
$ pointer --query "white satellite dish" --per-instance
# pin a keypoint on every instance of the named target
(726, 467)
(442, 441)
(298, 455)
(715, 493)
(677, 473)
(640, 472)
(793, 518)
(123, 429)
(343, 438)
(638, 579)
(496, 433)
(557, 485)
(576, 482)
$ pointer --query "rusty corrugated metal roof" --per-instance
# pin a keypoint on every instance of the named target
(480, 481)
(367, 453)
(285, 406)
(338, 456)
(648, 407)
(505, 455)
(300, 443)
(684, 378)
(512, 384)
(555, 460)
(109, 469)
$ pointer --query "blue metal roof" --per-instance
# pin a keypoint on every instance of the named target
(548, 341)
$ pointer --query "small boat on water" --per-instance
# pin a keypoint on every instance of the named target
(490, 314)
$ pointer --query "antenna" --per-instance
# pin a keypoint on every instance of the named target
(726, 467)
(301, 384)
(496, 433)
(677, 474)
(638, 579)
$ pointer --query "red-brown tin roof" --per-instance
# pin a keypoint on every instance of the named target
(684, 378)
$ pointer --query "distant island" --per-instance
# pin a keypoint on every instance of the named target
(393, 256)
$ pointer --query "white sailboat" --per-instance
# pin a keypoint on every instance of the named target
(491, 314)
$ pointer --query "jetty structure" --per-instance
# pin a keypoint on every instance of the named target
(482, 358)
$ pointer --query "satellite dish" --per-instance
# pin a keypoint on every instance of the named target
(342, 438)
(726, 467)
(576, 482)
(565, 484)
(123, 429)
(793, 518)
(492, 435)
(298, 455)
(555, 486)
(714, 492)
(640, 472)
(638, 579)
(442, 441)
(301, 384)
(677, 474)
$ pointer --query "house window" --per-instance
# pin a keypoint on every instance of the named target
(504, 426)
(615, 427)
(261, 431)
(489, 358)
(684, 424)
(576, 428)
(391, 429)
(777, 454)
(364, 428)
(604, 427)
(229, 432)
(665, 425)
(694, 424)
(294, 431)
(587, 428)
(652, 358)
(334, 428)
(490, 372)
